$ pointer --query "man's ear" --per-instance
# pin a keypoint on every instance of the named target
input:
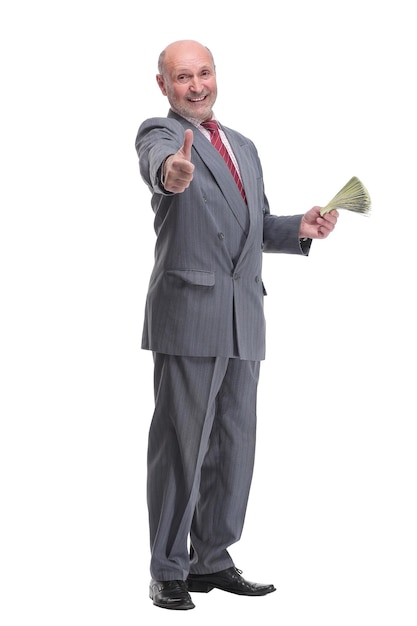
(161, 83)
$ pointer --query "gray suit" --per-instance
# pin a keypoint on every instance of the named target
(204, 322)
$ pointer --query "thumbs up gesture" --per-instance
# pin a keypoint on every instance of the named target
(178, 169)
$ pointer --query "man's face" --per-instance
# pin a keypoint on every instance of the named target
(189, 80)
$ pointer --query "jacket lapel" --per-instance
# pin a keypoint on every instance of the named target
(216, 165)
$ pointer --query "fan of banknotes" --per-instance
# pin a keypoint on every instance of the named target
(352, 197)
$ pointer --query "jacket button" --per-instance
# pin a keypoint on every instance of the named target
(236, 276)
(220, 236)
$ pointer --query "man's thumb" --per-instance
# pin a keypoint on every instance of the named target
(188, 142)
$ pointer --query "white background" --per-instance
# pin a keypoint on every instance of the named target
(327, 91)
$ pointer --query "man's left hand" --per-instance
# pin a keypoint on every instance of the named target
(314, 226)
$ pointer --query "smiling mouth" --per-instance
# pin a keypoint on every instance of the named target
(197, 99)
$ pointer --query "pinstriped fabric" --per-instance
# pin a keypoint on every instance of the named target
(217, 142)
(201, 455)
(204, 305)
(205, 295)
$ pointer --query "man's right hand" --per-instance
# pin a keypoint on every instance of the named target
(178, 169)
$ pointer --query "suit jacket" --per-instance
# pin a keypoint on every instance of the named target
(206, 293)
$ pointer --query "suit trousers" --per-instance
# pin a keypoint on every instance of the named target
(201, 453)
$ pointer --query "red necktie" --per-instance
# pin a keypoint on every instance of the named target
(217, 142)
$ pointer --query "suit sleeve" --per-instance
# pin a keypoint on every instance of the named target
(157, 139)
(281, 234)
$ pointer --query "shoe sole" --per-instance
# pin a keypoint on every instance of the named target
(202, 587)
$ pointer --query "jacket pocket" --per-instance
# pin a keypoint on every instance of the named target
(194, 277)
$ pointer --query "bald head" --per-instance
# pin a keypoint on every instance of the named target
(183, 47)
(187, 76)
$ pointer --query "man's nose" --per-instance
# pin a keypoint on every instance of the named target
(196, 84)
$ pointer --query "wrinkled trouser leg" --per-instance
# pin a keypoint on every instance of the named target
(204, 408)
(227, 470)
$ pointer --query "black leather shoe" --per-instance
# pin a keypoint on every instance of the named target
(227, 580)
(170, 594)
